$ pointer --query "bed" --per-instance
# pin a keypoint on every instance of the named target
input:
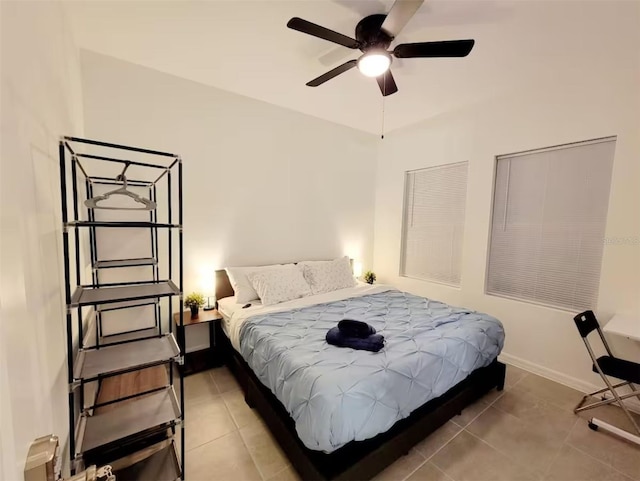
(345, 414)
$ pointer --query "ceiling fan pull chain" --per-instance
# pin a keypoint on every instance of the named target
(382, 128)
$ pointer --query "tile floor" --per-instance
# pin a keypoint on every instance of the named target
(526, 432)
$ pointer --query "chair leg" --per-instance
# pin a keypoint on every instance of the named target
(606, 388)
(620, 403)
(603, 402)
(596, 424)
(633, 421)
(579, 407)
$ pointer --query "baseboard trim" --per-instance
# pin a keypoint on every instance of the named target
(561, 378)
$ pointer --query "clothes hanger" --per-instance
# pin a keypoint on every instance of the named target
(146, 203)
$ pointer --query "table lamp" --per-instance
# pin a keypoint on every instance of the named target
(357, 269)
(209, 288)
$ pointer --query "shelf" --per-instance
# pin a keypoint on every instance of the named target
(87, 295)
(145, 413)
(124, 408)
(112, 264)
(130, 224)
(157, 464)
(109, 360)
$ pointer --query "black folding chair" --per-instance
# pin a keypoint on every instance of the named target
(609, 365)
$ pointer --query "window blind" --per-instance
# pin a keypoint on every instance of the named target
(433, 224)
(548, 225)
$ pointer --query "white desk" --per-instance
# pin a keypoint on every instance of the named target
(628, 327)
(623, 326)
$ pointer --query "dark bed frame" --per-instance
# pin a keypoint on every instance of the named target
(357, 460)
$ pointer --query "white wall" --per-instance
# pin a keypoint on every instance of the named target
(262, 184)
(41, 100)
(589, 92)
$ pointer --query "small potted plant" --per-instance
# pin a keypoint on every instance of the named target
(369, 277)
(194, 301)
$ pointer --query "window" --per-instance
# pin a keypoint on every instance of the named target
(433, 224)
(549, 218)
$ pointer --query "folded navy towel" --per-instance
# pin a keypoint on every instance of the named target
(373, 343)
(350, 327)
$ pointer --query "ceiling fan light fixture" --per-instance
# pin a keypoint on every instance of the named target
(374, 63)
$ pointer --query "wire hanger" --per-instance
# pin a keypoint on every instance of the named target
(146, 203)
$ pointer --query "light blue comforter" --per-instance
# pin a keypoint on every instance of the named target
(337, 395)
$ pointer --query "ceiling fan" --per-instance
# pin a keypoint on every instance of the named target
(374, 34)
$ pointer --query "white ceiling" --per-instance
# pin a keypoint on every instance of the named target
(245, 47)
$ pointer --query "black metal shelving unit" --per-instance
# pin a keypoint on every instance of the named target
(138, 433)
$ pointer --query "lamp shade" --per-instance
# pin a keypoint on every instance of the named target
(374, 63)
(357, 268)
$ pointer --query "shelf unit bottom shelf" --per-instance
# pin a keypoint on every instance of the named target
(147, 412)
(162, 465)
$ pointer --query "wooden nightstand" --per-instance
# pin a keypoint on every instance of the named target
(202, 359)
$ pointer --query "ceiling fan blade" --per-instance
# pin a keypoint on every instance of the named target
(399, 15)
(387, 84)
(363, 9)
(333, 56)
(332, 73)
(309, 28)
(446, 48)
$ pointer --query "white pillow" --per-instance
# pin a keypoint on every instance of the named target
(242, 288)
(326, 276)
(279, 285)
